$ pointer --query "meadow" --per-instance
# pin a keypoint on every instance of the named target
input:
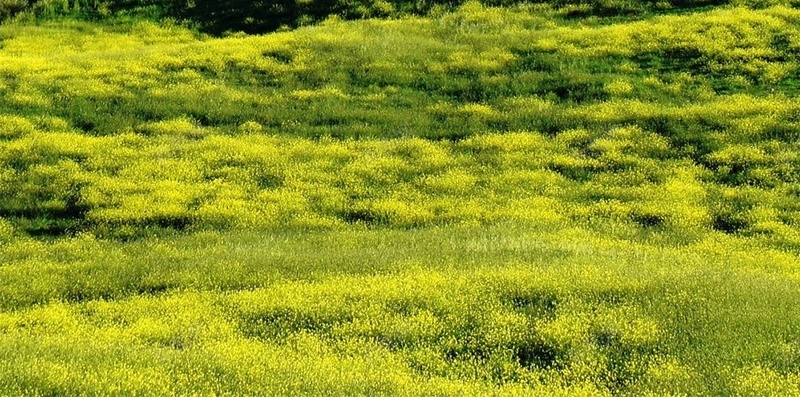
(555, 198)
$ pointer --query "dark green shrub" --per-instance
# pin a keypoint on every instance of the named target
(9, 8)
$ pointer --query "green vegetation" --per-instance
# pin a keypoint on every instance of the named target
(225, 16)
(566, 198)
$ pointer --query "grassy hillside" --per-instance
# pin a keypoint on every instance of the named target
(534, 199)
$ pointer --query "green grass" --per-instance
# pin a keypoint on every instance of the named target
(502, 309)
(528, 200)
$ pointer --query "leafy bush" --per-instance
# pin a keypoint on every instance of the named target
(9, 8)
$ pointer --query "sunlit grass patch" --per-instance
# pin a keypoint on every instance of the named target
(571, 199)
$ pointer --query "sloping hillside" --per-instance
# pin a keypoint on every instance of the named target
(535, 199)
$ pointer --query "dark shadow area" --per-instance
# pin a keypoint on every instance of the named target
(538, 355)
(47, 222)
(537, 305)
(647, 220)
(729, 223)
